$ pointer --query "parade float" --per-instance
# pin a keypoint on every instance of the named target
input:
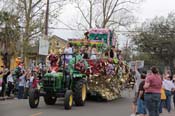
(105, 76)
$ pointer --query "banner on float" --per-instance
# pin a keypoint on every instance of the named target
(43, 47)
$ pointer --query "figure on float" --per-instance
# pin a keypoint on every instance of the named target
(52, 58)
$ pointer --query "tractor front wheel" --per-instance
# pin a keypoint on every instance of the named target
(80, 91)
(68, 100)
(34, 98)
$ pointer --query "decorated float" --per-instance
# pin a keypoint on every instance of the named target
(106, 76)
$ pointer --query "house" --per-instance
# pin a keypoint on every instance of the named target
(57, 44)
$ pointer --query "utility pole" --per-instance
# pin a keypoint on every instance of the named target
(47, 19)
(45, 35)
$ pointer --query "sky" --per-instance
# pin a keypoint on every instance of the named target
(147, 10)
(151, 8)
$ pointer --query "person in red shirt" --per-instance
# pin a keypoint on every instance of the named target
(153, 84)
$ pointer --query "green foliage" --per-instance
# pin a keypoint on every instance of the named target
(157, 38)
(9, 34)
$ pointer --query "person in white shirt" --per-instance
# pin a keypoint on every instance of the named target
(169, 87)
(22, 82)
(31, 78)
(94, 52)
(174, 91)
(10, 82)
(68, 50)
(137, 77)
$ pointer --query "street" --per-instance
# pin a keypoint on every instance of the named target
(120, 107)
(21, 108)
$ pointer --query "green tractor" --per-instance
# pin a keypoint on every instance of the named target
(67, 83)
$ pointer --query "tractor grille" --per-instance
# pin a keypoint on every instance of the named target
(48, 82)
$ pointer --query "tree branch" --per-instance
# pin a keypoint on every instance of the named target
(32, 34)
(34, 5)
(109, 7)
(39, 8)
(110, 14)
(81, 11)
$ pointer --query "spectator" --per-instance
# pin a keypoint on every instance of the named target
(153, 84)
(31, 78)
(163, 98)
(4, 82)
(27, 84)
(1, 75)
(21, 85)
(174, 91)
(169, 87)
(141, 109)
(137, 76)
(10, 82)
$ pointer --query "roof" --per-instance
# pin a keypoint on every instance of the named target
(59, 38)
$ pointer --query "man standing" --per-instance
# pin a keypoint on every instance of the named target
(22, 82)
(138, 81)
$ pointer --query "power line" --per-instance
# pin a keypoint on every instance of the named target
(119, 31)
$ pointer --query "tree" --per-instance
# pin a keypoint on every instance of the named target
(32, 15)
(9, 36)
(157, 37)
(105, 13)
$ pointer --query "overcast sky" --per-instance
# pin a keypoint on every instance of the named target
(147, 10)
(152, 8)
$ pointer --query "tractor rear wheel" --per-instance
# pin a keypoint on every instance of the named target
(50, 100)
(34, 98)
(80, 91)
(68, 100)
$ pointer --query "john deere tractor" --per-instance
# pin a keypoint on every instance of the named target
(67, 83)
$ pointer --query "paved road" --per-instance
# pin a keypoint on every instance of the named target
(21, 108)
(120, 107)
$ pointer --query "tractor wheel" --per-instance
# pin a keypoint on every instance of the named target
(34, 98)
(80, 92)
(68, 100)
(50, 100)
